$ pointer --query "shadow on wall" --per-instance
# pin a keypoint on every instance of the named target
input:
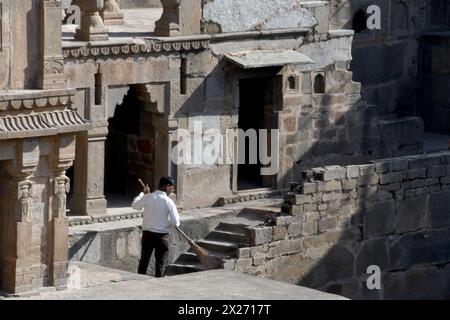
(328, 125)
(393, 214)
(386, 61)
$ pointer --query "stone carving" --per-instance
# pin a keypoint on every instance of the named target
(92, 27)
(62, 187)
(34, 124)
(151, 47)
(24, 196)
(53, 66)
(111, 13)
(168, 25)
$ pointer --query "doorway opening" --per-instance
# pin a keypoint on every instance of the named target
(129, 153)
(256, 111)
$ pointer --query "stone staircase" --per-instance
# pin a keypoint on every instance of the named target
(225, 240)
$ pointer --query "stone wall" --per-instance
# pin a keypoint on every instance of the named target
(435, 77)
(387, 61)
(392, 213)
(20, 25)
(118, 244)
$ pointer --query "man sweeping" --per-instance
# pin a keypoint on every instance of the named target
(160, 214)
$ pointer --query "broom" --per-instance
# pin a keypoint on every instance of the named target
(209, 262)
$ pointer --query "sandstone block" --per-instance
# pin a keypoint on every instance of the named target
(379, 220)
(261, 235)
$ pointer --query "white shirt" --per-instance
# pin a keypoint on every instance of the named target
(160, 212)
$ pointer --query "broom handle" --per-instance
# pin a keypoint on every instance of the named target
(142, 183)
(185, 236)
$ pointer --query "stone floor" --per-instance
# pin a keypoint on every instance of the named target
(139, 23)
(99, 283)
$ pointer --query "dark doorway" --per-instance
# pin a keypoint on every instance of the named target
(256, 105)
(129, 150)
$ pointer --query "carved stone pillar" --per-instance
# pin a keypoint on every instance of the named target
(89, 195)
(180, 17)
(58, 224)
(169, 23)
(111, 13)
(17, 273)
(92, 27)
(52, 75)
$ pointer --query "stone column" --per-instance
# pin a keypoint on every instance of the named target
(17, 274)
(89, 195)
(169, 23)
(180, 17)
(52, 75)
(111, 13)
(92, 27)
(58, 225)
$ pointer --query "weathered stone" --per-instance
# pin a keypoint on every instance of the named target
(243, 253)
(332, 197)
(424, 161)
(348, 185)
(258, 261)
(310, 228)
(282, 221)
(329, 186)
(261, 235)
(328, 224)
(419, 173)
(393, 177)
(437, 171)
(366, 170)
(279, 233)
(308, 188)
(302, 199)
(379, 219)
(243, 265)
(440, 210)
(428, 283)
(352, 172)
(411, 214)
(280, 248)
(365, 180)
(372, 252)
(382, 167)
(295, 229)
(121, 248)
(295, 246)
(334, 172)
(257, 251)
(412, 249)
(337, 264)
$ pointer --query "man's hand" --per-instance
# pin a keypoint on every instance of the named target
(147, 189)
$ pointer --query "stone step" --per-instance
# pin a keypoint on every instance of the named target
(178, 269)
(187, 258)
(232, 227)
(190, 257)
(218, 246)
(226, 235)
(250, 195)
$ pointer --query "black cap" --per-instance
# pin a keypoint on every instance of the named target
(166, 181)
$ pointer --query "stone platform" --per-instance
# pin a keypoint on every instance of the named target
(110, 284)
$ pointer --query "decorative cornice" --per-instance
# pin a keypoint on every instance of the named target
(29, 99)
(131, 49)
(41, 123)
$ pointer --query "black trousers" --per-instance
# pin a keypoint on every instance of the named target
(158, 242)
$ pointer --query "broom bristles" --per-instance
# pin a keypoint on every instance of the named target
(203, 256)
(209, 262)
